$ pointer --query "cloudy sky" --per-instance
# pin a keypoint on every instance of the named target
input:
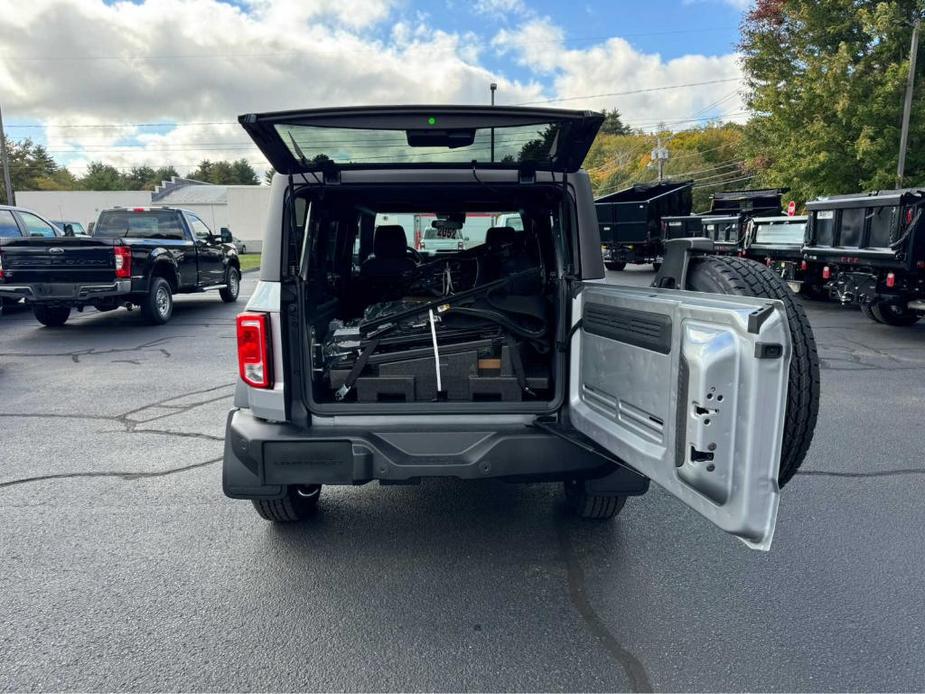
(161, 81)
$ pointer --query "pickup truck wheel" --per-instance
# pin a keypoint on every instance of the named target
(742, 277)
(616, 267)
(229, 292)
(51, 316)
(894, 314)
(591, 506)
(298, 503)
(157, 306)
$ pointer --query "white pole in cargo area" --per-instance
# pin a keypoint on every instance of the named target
(5, 161)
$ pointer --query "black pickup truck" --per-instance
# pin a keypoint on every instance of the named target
(136, 257)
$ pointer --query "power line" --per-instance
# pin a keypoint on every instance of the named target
(722, 183)
(628, 93)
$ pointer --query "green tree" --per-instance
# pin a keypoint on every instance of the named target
(268, 175)
(825, 82)
(613, 125)
(711, 155)
(102, 176)
(32, 168)
(238, 172)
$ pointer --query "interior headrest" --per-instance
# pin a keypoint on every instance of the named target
(390, 241)
(497, 236)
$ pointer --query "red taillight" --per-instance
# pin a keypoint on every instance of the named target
(139, 209)
(254, 349)
(123, 260)
(417, 240)
(890, 280)
(804, 266)
(1, 267)
(826, 273)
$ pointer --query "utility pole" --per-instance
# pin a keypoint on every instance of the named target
(5, 161)
(907, 106)
(660, 156)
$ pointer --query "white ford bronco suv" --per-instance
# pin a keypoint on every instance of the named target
(361, 360)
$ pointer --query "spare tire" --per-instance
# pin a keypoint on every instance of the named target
(742, 277)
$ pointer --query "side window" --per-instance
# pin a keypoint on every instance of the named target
(824, 227)
(8, 226)
(200, 230)
(852, 227)
(36, 226)
(882, 223)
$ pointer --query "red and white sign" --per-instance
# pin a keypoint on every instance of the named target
(791, 208)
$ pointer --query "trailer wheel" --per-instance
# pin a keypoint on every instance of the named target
(742, 277)
(894, 314)
(616, 267)
(868, 311)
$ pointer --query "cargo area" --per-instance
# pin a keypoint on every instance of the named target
(394, 317)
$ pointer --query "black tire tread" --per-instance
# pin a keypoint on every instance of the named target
(289, 509)
(743, 277)
(592, 506)
(615, 267)
(51, 316)
(903, 320)
(148, 310)
(225, 292)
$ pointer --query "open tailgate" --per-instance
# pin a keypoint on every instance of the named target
(423, 136)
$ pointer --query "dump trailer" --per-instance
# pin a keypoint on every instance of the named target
(872, 250)
(630, 221)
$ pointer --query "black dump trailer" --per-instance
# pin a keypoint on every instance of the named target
(778, 243)
(730, 212)
(726, 221)
(872, 250)
(630, 221)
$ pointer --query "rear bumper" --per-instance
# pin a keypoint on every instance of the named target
(58, 292)
(262, 458)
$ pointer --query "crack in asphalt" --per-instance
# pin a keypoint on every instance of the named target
(879, 473)
(75, 355)
(131, 427)
(632, 666)
(125, 475)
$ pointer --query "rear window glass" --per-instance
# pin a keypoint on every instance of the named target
(824, 227)
(442, 233)
(882, 223)
(789, 233)
(852, 226)
(149, 224)
(515, 144)
(8, 227)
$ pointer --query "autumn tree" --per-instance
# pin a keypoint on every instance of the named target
(825, 82)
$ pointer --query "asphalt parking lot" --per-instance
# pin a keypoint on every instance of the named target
(122, 565)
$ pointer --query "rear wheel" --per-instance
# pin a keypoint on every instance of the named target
(51, 316)
(616, 267)
(298, 504)
(591, 506)
(229, 292)
(868, 311)
(157, 306)
(894, 314)
(742, 277)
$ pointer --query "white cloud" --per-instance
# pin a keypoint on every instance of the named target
(735, 4)
(614, 66)
(243, 62)
(500, 7)
(200, 63)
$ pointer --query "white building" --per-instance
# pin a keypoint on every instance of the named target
(240, 208)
